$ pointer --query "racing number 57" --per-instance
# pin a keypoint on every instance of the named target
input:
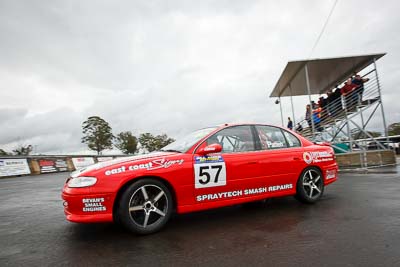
(204, 172)
(210, 174)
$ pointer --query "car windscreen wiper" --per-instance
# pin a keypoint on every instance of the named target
(171, 150)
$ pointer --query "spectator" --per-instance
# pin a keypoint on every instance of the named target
(348, 92)
(330, 102)
(322, 102)
(337, 101)
(299, 128)
(359, 82)
(313, 104)
(337, 93)
(316, 115)
(290, 124)
(308, 115)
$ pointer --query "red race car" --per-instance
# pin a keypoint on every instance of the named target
(208, 168)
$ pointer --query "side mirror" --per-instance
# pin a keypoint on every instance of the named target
(213, 148)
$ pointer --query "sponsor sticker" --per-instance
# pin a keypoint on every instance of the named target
(208, 159)
(244, 192)
(276, 144)
(93, 204)
(330, 174)
(209, 171)
(315, 157)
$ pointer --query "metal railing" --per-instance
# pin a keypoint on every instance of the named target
(332, 124)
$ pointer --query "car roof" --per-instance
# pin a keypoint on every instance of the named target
(245, 123)
(304, 141)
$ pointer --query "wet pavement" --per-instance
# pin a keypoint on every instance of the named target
(356, 223)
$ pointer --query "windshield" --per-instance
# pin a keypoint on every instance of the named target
(183, 144)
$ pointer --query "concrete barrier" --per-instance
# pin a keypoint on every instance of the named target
(364, 159)
(357, 159)
(54, 163)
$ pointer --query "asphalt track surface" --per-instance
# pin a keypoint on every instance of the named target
(356, 223)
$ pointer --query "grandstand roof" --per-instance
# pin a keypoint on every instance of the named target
(323, 73)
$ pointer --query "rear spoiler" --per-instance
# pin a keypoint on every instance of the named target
(323, 144)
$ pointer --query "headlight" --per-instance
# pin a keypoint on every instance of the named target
(82, 181)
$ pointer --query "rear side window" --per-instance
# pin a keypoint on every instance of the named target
(271, 137)
(292, 140)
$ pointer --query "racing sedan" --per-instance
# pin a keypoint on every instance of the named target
(209, 168)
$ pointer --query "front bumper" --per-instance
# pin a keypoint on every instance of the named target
(84, 206)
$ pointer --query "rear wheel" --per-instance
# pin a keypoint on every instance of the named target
(146, 206)
(310, 185)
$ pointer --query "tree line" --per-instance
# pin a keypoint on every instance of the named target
(98, 136)
(20, 151)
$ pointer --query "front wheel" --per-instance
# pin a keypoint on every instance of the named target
(310, 185)
(146, 206)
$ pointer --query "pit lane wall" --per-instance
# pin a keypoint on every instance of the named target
(33, 165)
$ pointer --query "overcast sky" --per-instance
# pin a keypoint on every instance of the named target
(170, 66)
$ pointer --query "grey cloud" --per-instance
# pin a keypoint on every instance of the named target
(10, 115)
(42, 128)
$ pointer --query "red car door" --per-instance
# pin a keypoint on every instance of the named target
(280, 159)
(224, 176)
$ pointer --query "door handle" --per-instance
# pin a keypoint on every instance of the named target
(296, 158)
(252, 162)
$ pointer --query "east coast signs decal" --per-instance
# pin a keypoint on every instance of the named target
(152, 165)
(316, 157)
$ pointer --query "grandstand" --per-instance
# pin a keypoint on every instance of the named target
(344, 123)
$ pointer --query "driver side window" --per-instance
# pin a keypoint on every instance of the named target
(234, 139)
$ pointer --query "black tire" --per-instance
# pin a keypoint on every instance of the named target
(145, 206)
(310, 186)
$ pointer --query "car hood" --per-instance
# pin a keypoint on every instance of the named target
(118, 161)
